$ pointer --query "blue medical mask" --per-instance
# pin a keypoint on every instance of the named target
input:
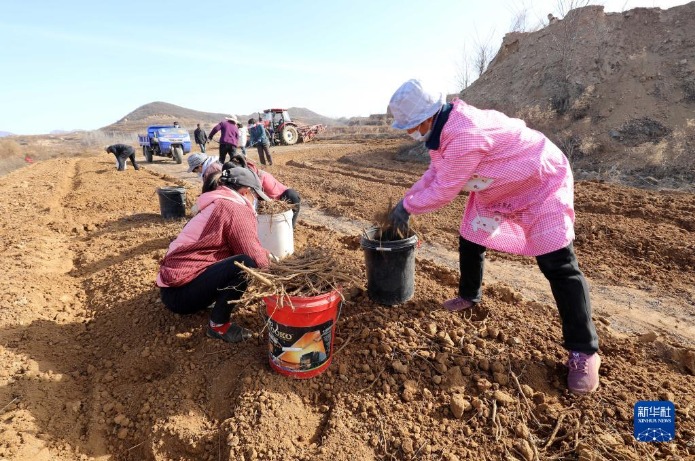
(255, 204)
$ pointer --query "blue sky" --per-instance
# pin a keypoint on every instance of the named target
(85, 64)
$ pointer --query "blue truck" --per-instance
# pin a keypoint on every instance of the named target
(165, 141)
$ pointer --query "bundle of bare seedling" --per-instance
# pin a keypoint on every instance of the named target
(385, 228)
(274, 207)
(311, 272)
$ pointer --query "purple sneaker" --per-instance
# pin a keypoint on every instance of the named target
(457, 304)
(583, 374)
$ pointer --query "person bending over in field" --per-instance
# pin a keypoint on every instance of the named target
(521, 201)
(122, 152)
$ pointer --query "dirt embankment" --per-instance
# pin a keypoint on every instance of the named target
(616, 91)
(94, 367)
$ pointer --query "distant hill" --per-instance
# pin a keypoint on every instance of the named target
(162, 113)
(5, 133)
(65, 131)
(171, 112)
(309, 117)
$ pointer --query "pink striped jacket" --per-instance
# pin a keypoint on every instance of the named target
(224, 227)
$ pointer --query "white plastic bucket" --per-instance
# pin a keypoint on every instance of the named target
(276, 233)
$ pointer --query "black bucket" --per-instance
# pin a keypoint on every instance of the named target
(390, 268)
(172, 201)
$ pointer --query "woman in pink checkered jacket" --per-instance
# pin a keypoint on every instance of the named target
(521, 201)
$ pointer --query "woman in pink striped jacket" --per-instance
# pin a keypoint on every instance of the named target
(198, 269)
(521, 201)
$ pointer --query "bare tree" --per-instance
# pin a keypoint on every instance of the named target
(565, 6)
(483, 54)
(563, 49)
(519, 20)
(463, 71)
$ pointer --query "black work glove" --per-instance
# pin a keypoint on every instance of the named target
(399, 217)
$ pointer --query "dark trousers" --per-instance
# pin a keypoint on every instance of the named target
(291, 195)
(121, 161)
(202, 147)
(219, 283)
(569, 287)
(227, 149)
(263, 152)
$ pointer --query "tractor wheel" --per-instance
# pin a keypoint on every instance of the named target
(147, 153)
(177, 153)
(289, 135)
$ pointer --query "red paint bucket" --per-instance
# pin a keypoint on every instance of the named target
(301, 332)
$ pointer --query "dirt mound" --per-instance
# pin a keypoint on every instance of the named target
(94, 367)
(613, 90)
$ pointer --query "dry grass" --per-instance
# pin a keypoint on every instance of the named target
(9, 148)
(99, 138)
(537, 117)
(13, 154)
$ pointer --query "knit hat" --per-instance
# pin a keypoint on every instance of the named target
(411, 105)
(195, 160)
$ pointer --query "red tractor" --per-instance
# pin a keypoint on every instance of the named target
(284, 131)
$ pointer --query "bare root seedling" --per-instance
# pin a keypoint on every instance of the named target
(274, 207)
(385, 230)
(310, 273)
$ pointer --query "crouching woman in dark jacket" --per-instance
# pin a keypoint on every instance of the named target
(199, 268)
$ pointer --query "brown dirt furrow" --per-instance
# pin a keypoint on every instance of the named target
(96, 368)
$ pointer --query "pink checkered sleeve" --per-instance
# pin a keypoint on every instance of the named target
(450, 169)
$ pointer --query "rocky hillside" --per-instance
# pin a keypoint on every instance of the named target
(615, 90)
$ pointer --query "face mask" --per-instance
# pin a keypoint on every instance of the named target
(416, 135)
(253, 201)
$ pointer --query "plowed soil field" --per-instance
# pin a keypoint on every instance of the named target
(95, 368)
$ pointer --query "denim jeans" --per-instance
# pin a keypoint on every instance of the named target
(263, 152)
